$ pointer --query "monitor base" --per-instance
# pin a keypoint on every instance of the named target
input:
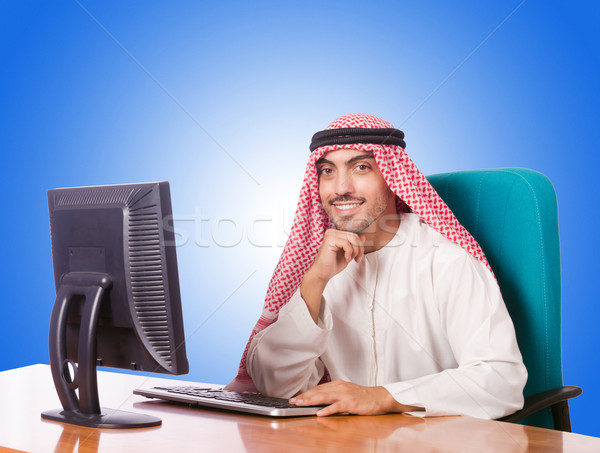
(107, 419)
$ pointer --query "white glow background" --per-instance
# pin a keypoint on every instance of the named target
(221, 99)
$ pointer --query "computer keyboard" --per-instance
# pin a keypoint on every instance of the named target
(225, 395)
(255, 403)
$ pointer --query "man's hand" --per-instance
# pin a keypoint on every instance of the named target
(337, 250)
(344, 396)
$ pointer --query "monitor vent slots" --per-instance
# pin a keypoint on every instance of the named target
(95, 197)
(147, 280)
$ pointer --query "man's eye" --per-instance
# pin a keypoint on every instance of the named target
(362, 167)
(325, 171)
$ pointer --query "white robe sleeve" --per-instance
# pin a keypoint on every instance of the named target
(283, 359)
(489, 379)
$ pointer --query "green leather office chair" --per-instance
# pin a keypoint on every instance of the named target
(512, 213)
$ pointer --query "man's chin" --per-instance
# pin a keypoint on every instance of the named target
(352, 226)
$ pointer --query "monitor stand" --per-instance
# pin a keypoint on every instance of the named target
(84, 410)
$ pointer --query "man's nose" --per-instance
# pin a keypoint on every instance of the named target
(344, 183)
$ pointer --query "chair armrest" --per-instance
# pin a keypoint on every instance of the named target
(539, 401)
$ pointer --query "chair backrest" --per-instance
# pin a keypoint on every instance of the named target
(512, 213)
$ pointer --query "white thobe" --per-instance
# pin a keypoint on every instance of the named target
(420, 316)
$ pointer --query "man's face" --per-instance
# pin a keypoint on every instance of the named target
(353, 191)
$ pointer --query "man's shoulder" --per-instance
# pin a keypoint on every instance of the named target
(427, 241)
(415, 231)
(437, 258)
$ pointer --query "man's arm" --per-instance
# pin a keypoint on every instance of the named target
(337, 250)
(283, 359)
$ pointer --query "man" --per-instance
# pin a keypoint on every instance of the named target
(380, 289)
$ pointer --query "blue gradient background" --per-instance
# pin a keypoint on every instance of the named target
(221, 99)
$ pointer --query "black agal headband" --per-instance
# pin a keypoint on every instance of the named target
(351, 135)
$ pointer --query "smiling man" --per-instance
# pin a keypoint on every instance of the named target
(381, 301)
(353, 203)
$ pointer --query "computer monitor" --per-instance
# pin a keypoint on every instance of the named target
(117, 295)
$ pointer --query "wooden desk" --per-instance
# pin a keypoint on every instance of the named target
(26, 392)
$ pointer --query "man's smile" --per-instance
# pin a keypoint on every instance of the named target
(346, 207)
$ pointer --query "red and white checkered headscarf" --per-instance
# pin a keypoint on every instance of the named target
(311, 221)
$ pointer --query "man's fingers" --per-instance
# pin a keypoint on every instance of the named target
(316, 395)
(350, 243)
(330, 410)
(361, 251)
(350, 251)
(321, 394)
(310, 399)
(357, 247)
(337, 250)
